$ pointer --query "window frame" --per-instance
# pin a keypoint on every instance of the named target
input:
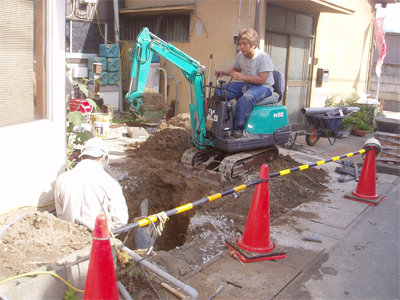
(71, 54)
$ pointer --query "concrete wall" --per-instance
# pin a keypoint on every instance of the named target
(33, 154)
(343, 44)
(389, 86)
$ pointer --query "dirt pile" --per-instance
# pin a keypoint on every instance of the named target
(37, 239)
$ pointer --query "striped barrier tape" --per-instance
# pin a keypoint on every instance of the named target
(189, 206)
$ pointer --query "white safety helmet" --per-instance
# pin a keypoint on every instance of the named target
(95, 147)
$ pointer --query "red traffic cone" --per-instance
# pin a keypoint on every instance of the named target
(101, 281)
(255, 244)
(366, 187)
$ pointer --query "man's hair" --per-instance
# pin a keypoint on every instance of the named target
(249, 34)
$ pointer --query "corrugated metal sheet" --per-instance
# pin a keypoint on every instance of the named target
(393, 49)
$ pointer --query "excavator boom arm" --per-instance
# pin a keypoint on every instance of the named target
(146, 45)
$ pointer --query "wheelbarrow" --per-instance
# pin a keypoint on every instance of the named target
(325, 120)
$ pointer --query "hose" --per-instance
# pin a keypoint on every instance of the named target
(15, 220)
(43, 272)
(26, 206)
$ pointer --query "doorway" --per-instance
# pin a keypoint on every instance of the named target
(290, 43)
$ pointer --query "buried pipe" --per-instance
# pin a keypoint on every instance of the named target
(123, 291)
(85, 223)
(148, 265)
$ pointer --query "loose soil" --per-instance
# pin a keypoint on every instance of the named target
(40, 238)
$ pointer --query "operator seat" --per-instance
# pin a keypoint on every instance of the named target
(279, 90)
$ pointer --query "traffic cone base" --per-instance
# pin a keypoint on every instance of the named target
(366, 187)
(247, 256)
(372, 202)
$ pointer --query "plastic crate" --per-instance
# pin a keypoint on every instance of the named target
(80, 105)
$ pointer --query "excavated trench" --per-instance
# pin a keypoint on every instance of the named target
(151, 176)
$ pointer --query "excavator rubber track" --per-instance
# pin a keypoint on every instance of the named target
(210, 165)
(242, 163)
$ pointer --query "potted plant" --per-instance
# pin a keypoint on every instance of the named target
(361, 129)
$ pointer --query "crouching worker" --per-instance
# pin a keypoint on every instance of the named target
(88, 190)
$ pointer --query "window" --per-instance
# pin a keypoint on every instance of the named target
(86, 38)
(171, 28)
(22, 56)
(288, 21)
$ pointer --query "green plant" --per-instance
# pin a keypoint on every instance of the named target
(75, 135)
(70, 293)
(361, 119)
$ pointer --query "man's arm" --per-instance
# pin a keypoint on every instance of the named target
(118, 208)
(220, 72)
(260, 79)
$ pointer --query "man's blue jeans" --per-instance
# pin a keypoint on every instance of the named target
(247, 95)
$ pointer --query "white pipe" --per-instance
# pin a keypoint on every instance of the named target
(83, 222)
(248, 26)
(117, 35)
(240, 12)
(176, 97)
(73, 10)
(165, 83)
(184, 287)
(123, 291)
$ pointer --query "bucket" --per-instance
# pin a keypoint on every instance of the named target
(100, 125)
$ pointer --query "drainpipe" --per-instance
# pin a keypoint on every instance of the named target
(184, 287)
(257, 15)
(240, 11)
(176, 97)
(165, 83)
(248, 26)
(116, 29)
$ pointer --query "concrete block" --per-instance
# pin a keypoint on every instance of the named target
(138, 133)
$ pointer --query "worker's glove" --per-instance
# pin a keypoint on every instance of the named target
(162, 218)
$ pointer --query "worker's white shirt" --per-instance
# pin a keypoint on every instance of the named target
(87, 191)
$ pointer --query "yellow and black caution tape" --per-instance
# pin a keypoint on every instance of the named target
(172, 212)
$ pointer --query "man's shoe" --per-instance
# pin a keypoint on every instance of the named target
(237, 134)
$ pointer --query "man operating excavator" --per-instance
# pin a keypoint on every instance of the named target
(252, 69)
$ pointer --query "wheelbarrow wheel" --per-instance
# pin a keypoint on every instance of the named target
(311, 140)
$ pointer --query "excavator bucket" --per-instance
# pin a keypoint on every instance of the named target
(203, 175)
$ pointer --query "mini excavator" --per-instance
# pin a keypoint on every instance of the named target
(214, 147)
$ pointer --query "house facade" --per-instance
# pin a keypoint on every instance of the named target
(324, 48)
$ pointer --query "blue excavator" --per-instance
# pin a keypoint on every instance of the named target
(214, 147)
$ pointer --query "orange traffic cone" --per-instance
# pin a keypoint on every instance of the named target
(366, 187)
(101, 281)
(255, 244)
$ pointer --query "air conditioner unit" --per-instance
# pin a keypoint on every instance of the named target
(87, 1)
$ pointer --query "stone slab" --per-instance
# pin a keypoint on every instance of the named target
(256, 280)
(327, 215)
